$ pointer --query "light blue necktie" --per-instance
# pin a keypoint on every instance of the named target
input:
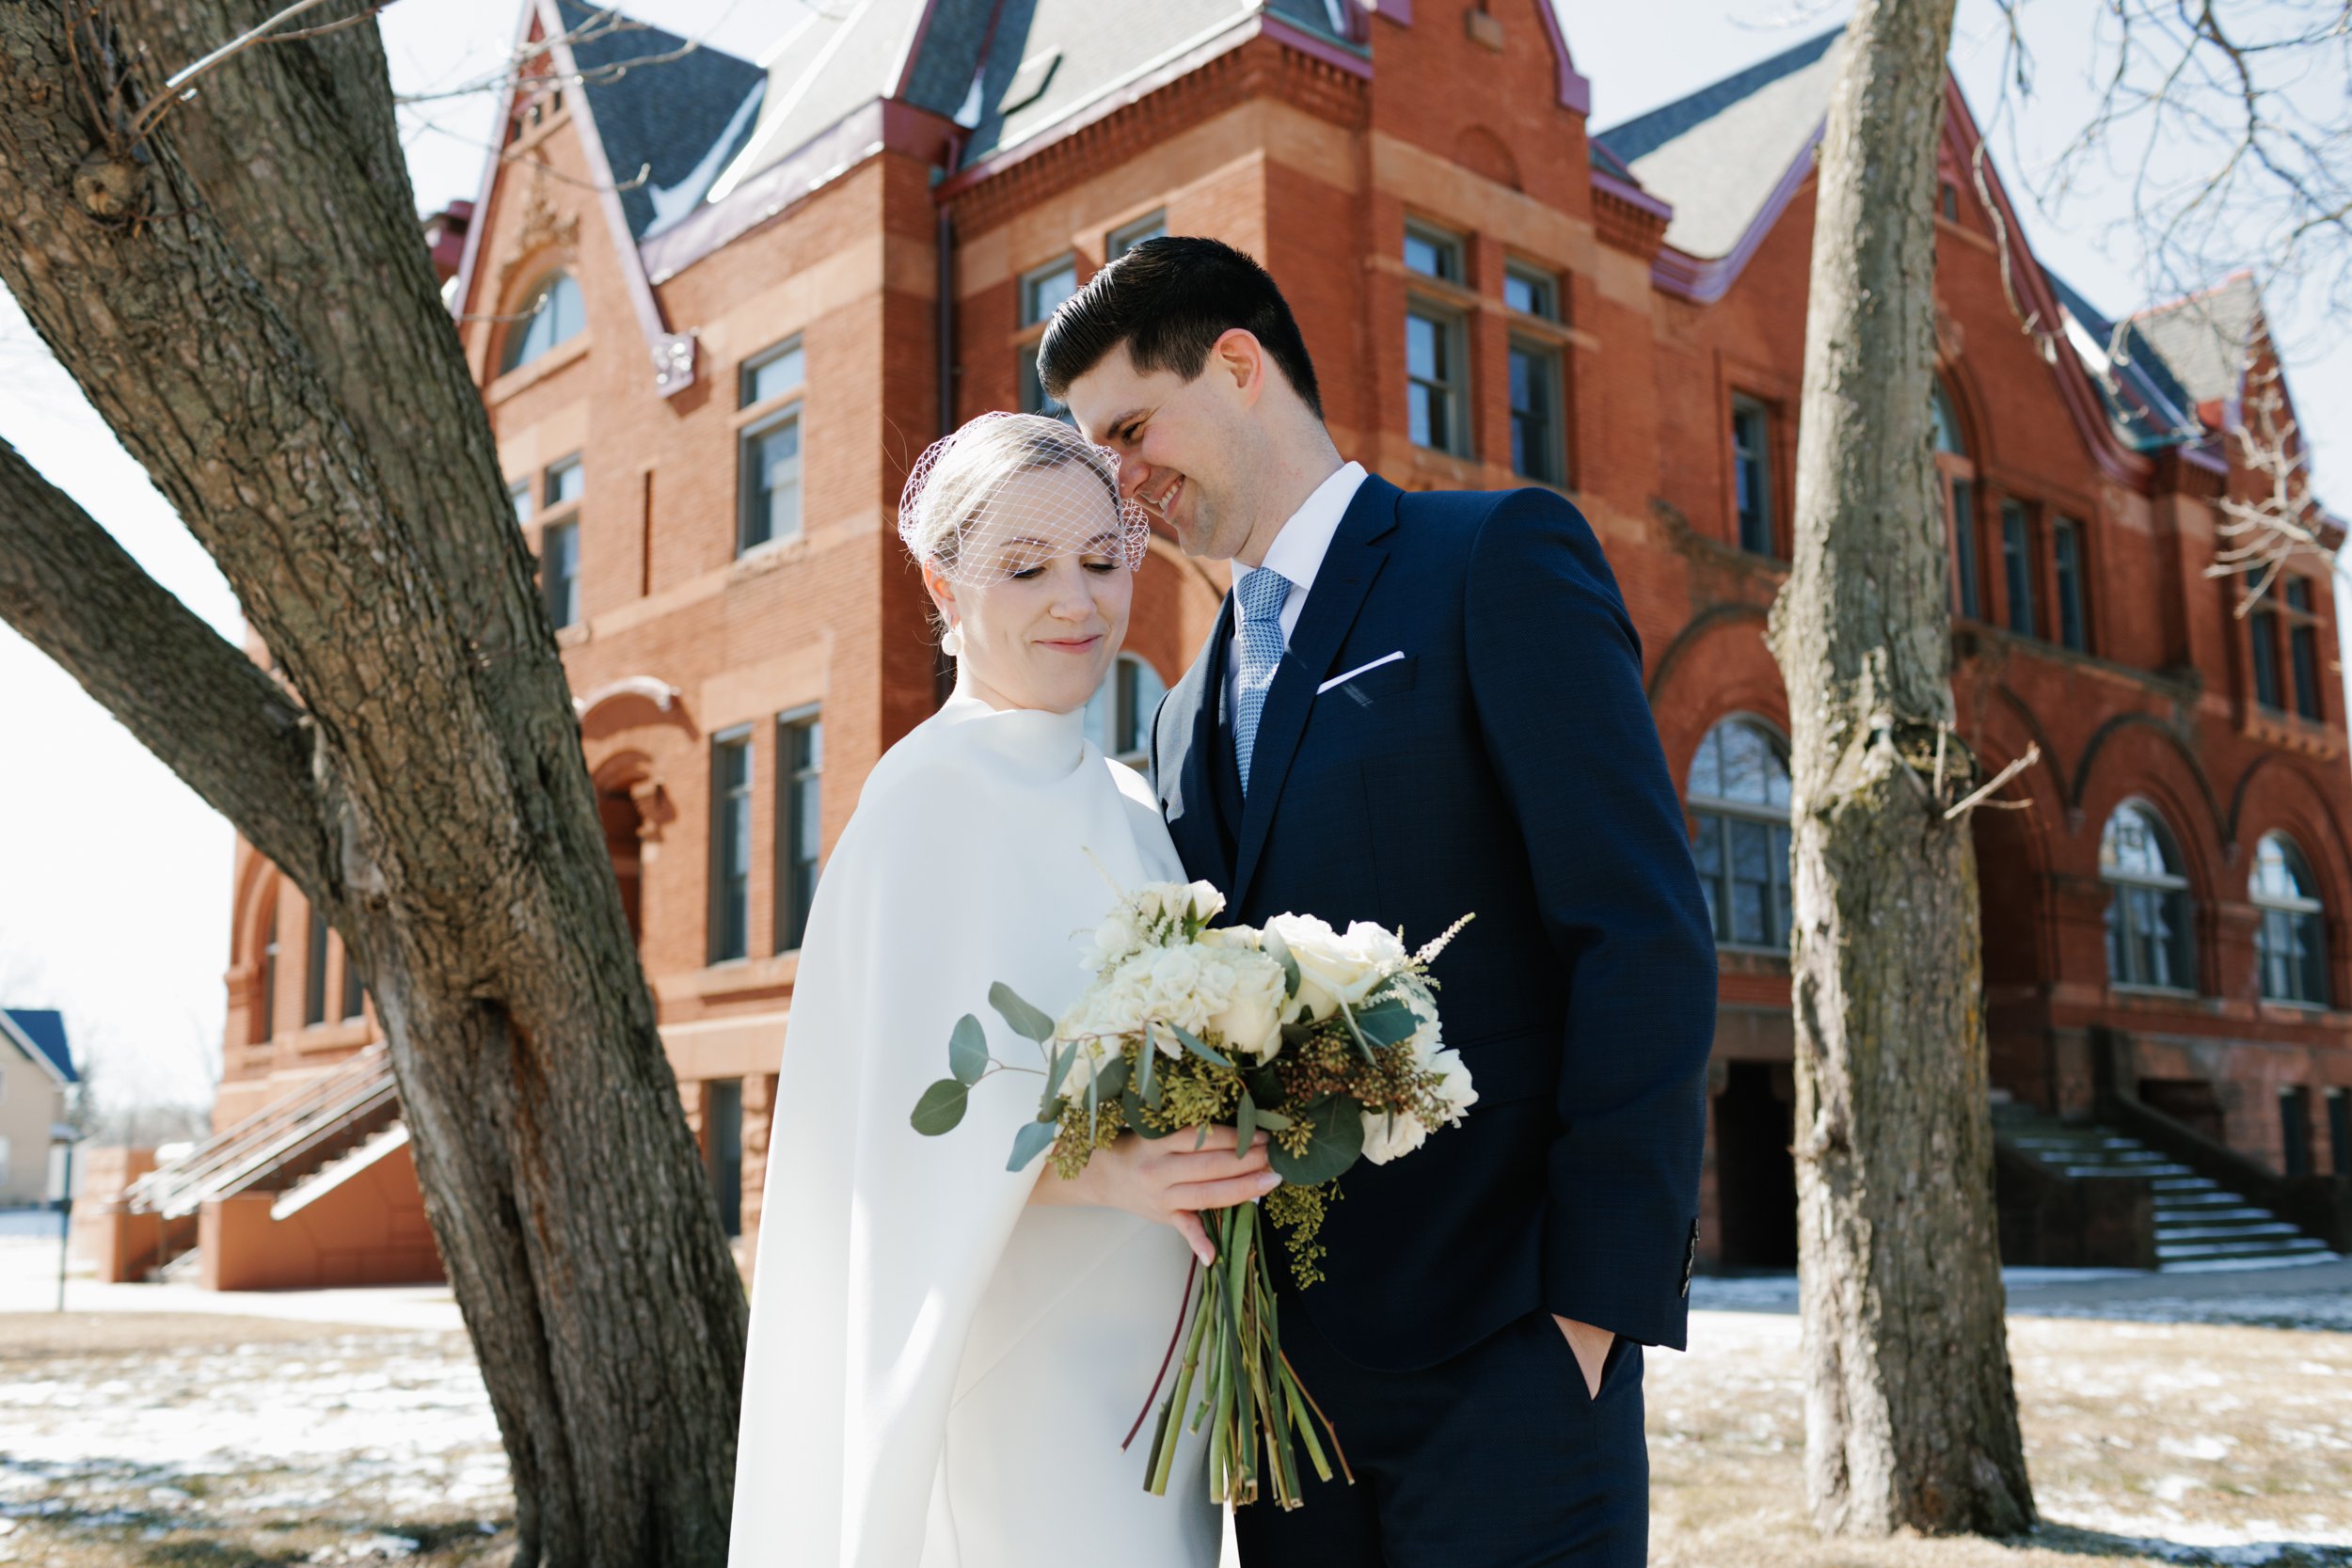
(1260, 596)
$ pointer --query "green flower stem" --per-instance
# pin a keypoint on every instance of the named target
(1172, 1413)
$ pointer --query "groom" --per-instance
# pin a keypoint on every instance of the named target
(1415, 706)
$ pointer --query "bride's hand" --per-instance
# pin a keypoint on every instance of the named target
(1168, 1181)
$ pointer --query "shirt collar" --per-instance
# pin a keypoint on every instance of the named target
(1298, 550)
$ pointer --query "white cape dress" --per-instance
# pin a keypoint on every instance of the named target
(939, 1375)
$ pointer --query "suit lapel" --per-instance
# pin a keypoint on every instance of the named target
(1200, 837)
(1340, 584)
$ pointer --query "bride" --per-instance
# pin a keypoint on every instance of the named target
(946, 1355)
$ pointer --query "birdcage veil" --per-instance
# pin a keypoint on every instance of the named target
(965, 513)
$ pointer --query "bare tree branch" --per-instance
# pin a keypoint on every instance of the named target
(223, 725)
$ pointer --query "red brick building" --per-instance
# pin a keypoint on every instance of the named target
(715, 308)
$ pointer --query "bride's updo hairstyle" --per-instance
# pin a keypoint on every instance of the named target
(964, 514)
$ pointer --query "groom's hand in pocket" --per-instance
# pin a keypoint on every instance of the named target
(1591, 1346)
(1168, 1181)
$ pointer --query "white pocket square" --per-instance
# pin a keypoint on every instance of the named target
(1342, 680)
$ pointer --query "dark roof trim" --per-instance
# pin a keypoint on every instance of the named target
(1181, 62)
(874, 126)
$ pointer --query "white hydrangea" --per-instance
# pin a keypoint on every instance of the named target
(1232, 991)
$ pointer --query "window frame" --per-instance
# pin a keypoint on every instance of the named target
(2073, 618)
(1552, 420)
(796, 891)
(726, 1175)
(725, 796)
(514, 352)
(2018, 558)
(1720, 812)
(747, 374)
(2304, 911)
(1450, 251)
(748, 474)
(1124, 238)
(1453, 336)
(1029, 394)
(1122, 714)
(2262, 671)
(1957, 480)
(2300, 623)
(2173, 885)
(1542, 280)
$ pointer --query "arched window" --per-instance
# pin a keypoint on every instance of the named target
(1956, 476)
(551, 314)
(1739, 793)
(2148, 921)
(1118, 715)
(2291, 944)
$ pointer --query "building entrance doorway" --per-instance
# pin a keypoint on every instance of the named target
(1756, 1176)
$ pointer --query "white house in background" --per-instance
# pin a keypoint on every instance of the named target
(35, 1072)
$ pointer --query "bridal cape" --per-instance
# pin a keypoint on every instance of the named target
(939, 1375)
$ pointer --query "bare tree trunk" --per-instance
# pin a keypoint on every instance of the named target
(1910, 1416)
(244, 294)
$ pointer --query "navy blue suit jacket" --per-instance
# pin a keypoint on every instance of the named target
(1506, 764)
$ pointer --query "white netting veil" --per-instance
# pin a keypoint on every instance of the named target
(1008, 492)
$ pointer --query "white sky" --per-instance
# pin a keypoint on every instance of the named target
(114, 889)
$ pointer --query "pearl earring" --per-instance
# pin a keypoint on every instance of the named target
(952, 644)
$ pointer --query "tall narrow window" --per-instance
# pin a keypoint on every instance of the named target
(1752, 473)
(314, 973)
(519, 497)
(723, 1147)
(1041, 293)
(1531, 292)
(2066, 543)
(730, 846)
(773, 374)
(1433, 382)
(1118, 715)
(799, 823)
(1738, 797)
(2291, 942)
(1956, 474)
(2148, 916)
(2340, 1131)
(1124, 240)
(2261, 631)
(769, 508)
(561, 487)
(2303, 647)
(2295, 1130)
(265, 1025)
(2017, 566)
(1535, 407)
(1433, 253)
(355, 994)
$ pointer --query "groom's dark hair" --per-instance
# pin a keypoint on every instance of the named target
(1169, 300)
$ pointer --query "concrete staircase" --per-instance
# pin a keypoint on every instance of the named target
(2200, 1223)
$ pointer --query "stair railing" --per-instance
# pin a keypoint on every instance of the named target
(271, 1138)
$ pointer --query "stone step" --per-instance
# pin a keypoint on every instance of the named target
(2216, 1214)
(2169, 1253)
(2265, 1227)
(2126, 1171)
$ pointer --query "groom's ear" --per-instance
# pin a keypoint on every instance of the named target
(1239, 360)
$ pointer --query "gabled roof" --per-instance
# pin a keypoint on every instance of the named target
(41, 1031)
(1719, 155)
(1005, 69)
(664, 104)
(2145, 401)
(2207, 338)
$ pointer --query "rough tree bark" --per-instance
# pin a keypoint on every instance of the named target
(1911, 1419)
(244, 296)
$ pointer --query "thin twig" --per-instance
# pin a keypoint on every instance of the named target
(1977, 797)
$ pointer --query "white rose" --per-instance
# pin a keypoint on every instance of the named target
(1388, 1137)
(1251, 1019)
(1207, 902)
(1337, 968)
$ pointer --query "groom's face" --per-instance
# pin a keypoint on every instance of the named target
(1178, 443)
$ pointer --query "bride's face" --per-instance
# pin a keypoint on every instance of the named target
(1042, 621)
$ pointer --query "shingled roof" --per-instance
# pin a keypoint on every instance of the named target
(2208, 337)
(2145, 401)
(1718, 154)
(664, 104)
(41, 1031)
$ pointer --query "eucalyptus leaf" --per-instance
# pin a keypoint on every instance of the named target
(1280, 951)
(1388, 1023)
(967, 1051)
(1026, 1020)
(1272, 1121)
(1148, 1071)
(1133, 1107)
(1094, 1105)
(1062, 1059)
(1030, 1141)
(1114, 1079)
(1245, 1124)
(1199, 1050)
(941, 1107)
(1336, 1125)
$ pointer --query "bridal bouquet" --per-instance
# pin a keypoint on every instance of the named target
(1328, 1042)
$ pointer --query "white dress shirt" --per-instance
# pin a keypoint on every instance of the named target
(1298, 554)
